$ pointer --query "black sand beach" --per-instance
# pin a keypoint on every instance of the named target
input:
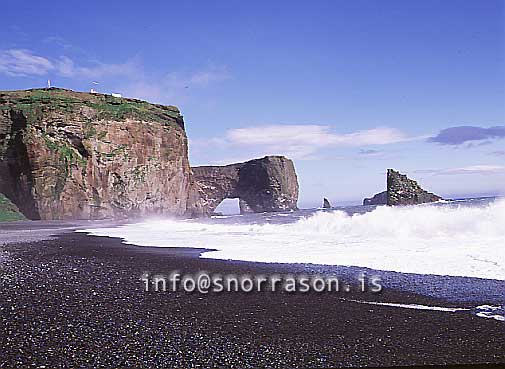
(77, 301)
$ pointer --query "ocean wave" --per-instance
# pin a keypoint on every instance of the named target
(432, 239)
(482, 311)
(491, 312)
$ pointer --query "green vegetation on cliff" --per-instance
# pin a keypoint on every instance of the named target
(90, 155)
(34, 103)
(9, 211)
(68, 156)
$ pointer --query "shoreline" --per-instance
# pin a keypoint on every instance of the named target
(76, 300)
(455, 289)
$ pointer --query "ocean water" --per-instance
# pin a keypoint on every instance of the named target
(434, 247)
(457, 238)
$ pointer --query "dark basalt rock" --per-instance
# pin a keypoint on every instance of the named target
(380, 199)
(401, 191)
(262, 185)
(405, 191)
(326, 203)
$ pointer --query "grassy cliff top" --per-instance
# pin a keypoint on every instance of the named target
(107, 107)
(9, 211)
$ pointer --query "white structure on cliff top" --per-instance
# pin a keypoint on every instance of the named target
(93, 91)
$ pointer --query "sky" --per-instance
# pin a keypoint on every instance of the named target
(346, 89)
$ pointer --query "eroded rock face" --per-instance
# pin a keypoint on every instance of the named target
(262, 185)
(401, 191)
(380, 199)
(71, 155)
(405, 191)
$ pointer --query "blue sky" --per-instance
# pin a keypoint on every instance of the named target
(345, 88)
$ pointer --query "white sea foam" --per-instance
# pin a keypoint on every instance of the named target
(482, 311)
(491, 312)
(435, 239)
(413, 306)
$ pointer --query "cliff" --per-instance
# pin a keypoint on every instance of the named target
(72, 155)
(401, 191)
(262, 185)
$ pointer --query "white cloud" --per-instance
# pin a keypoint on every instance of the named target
(67, 68)
(19, 62)
(174, 87)
(371, 153)
(314, 135)
(302, 141)
(22, 63)
(473, 169)
(205, 77)
(169, 88)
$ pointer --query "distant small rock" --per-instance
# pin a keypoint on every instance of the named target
(326, 204)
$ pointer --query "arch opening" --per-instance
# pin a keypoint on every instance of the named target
(229, 206)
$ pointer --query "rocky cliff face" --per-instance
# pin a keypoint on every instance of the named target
(380, 199)
(71, 155)
(267, 184)
(401, 191)
(405, 191)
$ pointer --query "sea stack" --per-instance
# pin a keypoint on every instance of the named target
(401, 190)
(326, 203)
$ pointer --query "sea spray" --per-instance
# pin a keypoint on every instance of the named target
(464, 239)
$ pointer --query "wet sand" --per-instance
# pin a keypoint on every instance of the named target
(77, 301)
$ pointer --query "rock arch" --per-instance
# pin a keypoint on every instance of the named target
(268, 184)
